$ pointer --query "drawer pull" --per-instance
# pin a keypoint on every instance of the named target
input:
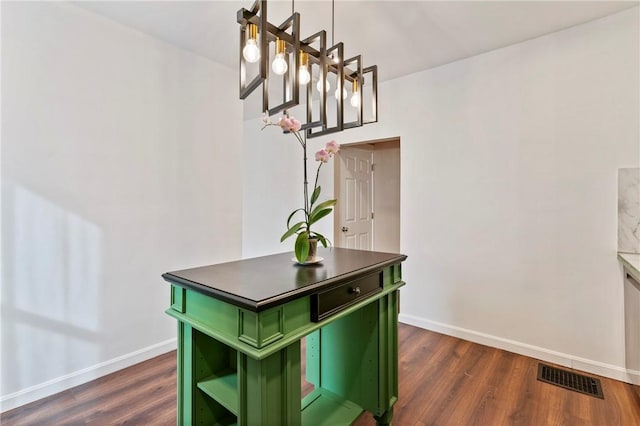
(355, 290)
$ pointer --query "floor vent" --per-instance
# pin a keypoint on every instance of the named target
(569, 380)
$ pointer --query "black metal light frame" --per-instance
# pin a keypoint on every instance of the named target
(338, 70)
(316, 57)
(291, 86)
(256, 15)
(373, 70)
(353, 67)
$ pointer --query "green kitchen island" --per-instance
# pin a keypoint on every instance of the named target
(239, 330)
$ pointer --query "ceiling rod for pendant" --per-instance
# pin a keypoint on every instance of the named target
(333, 18)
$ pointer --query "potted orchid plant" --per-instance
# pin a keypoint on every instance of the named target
(312, 211)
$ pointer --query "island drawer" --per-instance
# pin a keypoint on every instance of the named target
(328, 302)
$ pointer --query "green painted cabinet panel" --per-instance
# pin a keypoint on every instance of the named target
(177, 298)
(259, 329)
(270, 389)
(215, 314)
(348, 357)
(313, 361)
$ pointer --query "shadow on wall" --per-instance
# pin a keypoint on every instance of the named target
(51, 273)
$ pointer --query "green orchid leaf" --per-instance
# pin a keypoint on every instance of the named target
(302, 246)
(291, 215)
(319, 215)
(315, 195)
(322, 206)
(323, 240)
(291, 231)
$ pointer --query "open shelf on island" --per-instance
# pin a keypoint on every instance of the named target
(223, 387)
(322, 407)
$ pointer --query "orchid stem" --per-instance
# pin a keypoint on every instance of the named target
(306, 191)
(315, 185)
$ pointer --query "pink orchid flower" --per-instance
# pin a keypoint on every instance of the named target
(332, 147)
(285, 123)
(289, 124)
(322, 155)
(295, 124)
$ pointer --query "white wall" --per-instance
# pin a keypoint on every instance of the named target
(508, 192)
(120, 161)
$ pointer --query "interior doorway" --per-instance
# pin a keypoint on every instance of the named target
(367, 186)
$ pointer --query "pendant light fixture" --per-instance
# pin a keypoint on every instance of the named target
(303, 73)
(353, 76)
(327, 85)
(355, 96)
(311, 60)
(279, 64)
(251, 51)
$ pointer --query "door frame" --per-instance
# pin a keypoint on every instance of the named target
(337, 233)
(338, 236)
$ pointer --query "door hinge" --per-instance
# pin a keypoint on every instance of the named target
(373, 167)
(371, 215)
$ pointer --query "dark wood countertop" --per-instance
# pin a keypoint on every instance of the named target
(263, 282)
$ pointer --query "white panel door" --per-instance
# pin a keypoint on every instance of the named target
(355, 201)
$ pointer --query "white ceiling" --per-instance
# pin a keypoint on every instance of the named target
(401, 37)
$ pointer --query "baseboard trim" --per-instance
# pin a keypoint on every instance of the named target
(59, 384)
(543, 354)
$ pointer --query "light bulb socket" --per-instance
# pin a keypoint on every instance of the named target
(252, 31)
(280, 46)
(355, 85)
(304, 59)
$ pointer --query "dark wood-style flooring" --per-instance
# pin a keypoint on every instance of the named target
(443, 381)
